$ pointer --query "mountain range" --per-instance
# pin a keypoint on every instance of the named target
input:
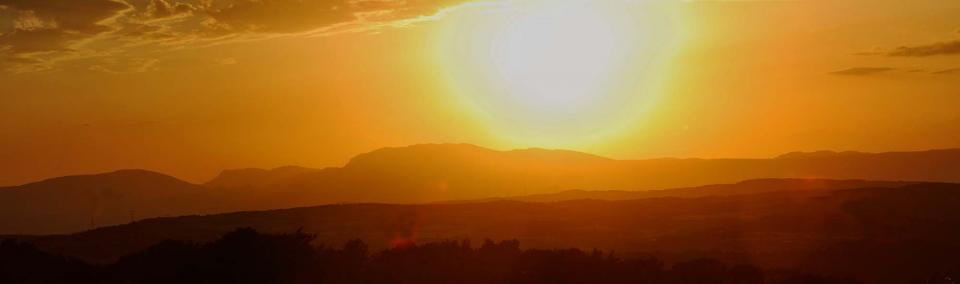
(441, 173)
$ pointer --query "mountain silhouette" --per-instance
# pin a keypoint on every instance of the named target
(744, 187)
(432, 173)
(74, 203)
(442, 172)
(253, 177)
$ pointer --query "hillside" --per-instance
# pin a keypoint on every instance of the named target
(862, 232)
(743, 187)
(73, 203)
(443, 172)
(440, 173)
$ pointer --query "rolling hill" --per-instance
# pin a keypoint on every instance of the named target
(868, 233)
(432, 173)
(743, 187)
(72, 203)
(443, 172)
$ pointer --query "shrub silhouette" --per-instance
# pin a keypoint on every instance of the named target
(246, 256)
(24, 263)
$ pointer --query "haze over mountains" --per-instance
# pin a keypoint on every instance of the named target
(434, 173)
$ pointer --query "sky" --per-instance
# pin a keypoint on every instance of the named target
(190, 88)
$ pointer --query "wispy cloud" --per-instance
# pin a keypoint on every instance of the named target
(38, 34)
(131, 65)
(947, 71)
(940, 48)
(227, 61)
(32, 31)
(863, 71)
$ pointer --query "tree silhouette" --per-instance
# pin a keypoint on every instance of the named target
(247, 256)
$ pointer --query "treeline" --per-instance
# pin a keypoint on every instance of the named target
(246, 256)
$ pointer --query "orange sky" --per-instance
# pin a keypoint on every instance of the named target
(193, 87)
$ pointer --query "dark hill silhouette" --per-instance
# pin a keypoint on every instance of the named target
(868, 233)
(424, 174)
(73, 203)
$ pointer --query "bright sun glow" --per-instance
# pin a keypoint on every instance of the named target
(556, 58)
(554, 72)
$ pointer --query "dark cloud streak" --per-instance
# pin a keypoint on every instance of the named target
(940, 48)
(862, 71)
(947, 71)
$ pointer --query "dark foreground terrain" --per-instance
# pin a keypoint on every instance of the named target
(902, 234)
(246, 256)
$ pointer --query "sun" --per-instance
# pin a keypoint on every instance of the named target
(553, 72)
(556, 58)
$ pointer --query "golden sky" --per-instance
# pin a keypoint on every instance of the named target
(193, 87)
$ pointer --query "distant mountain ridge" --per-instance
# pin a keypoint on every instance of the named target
(442, 172)
(744, 187)
(833, 154)
(255, 177)
(424, 174)
(819, 154)
(125, 177)
(73, 203)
